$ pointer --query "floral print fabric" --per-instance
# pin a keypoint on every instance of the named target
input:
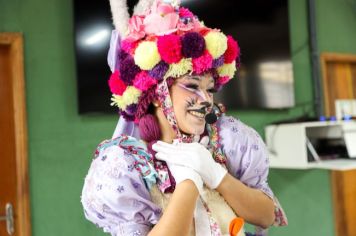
(116, 194)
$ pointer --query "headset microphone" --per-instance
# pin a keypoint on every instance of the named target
(212, 117)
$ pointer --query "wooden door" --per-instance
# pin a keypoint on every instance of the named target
(14, 189)
(344, 204)
(339, 82)
(339, 79)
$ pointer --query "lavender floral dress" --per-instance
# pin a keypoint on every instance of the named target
(116, 194)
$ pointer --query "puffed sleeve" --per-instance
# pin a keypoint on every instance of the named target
(115, 197)
(247, 159)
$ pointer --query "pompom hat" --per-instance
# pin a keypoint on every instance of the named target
(159, 43)
(163, 40)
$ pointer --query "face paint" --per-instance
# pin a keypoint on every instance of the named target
(192, 98)
(196, 92)
(190, 102)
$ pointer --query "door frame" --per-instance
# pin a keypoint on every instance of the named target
(342, 182)
(23, 217)
(326, 58)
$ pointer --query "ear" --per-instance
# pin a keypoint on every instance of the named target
(142, 6)
(156, 103)
(120, 15)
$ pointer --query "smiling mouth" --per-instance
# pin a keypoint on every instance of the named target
(197, 114)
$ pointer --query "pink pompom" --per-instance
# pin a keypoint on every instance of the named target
(184, 12)
(232, 51)
(223, 80)
(129, 45)
(149, 128)
(117, 86)
(143, 81)
(202, 63)
(170, 48)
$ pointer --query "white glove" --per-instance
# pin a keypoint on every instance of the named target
(181, 173)
(192, 155)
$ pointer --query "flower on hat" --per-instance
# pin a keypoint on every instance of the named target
(162, 20)
(117, 86)
(162, 8)
(136, 27)
(146, 55)
(170, 48)
(181, 68)
(232, 51)
(227, 70)
(143, 81)
(160, 25)
(216, 43)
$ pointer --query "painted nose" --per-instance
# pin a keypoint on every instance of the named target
(203, 97)
(207, 106)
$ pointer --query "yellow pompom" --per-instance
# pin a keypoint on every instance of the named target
(146, 55)
(227, 70)
(176, 70)
(130, 96)
(118, 101)
(216, 43)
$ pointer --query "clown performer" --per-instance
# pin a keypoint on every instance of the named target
(176, 164)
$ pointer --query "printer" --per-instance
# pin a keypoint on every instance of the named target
(329, 144)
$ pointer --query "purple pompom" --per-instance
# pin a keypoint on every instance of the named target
(128, 70)
(193, 45)
(218, 62)
(122, 55)
(159, 70)
(127, 116)
(131, 109)
(149, 128)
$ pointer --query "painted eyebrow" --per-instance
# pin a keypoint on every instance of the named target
(196, 78)
(199, 78)
(211, 80)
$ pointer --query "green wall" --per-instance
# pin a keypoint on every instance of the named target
(61, 142)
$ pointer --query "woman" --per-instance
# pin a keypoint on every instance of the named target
(176, 164)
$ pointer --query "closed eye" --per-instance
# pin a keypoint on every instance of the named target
(212, 90)
(192, 86)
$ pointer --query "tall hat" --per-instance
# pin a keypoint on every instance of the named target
(162, 41)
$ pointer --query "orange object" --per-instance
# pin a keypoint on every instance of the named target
(236, 226)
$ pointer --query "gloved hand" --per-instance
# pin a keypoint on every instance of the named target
(181, 173)
(194, 156)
